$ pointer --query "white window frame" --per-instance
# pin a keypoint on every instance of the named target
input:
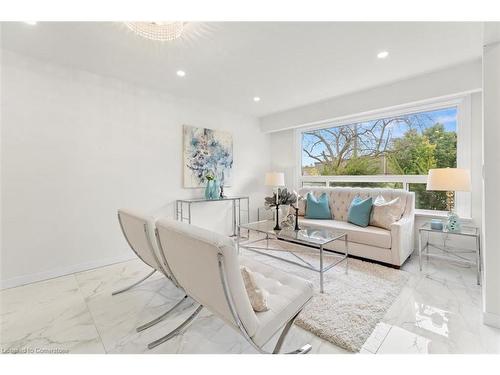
(461, 102)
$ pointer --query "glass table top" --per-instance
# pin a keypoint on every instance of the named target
(307, 234)
(203, 199)
(464, 230)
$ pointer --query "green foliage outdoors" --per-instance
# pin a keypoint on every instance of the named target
(412, 154)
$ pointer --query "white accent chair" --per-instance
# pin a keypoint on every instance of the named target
(207, 266)
(138, 231)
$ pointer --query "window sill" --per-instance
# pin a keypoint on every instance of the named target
(431, 214)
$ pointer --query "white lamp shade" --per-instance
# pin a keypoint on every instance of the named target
(275, 179)
(448, 179)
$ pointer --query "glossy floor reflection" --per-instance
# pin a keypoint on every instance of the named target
(438, 311)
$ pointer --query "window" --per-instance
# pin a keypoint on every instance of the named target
(394, 150)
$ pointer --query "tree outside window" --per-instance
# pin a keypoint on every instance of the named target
(408, 144)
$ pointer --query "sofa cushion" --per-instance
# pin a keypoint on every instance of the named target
(385, 213)
(318, 208)
(287, 295)
(341, 197)
(359, 212)
(372, 236)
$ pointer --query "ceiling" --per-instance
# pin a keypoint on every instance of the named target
(286, 64)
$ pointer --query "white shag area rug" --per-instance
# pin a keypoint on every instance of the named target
(353, 303)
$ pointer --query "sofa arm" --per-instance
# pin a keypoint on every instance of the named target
(402, 232)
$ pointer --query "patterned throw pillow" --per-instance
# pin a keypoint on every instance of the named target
(385, 213)
(257, 296)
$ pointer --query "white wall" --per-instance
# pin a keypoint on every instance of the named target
(77, 146)
(458, 79)
(491, 158)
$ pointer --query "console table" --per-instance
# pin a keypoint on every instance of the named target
(183, 209)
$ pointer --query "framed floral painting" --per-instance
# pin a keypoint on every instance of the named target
(207, 153)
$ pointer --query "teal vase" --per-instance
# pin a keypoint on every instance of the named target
(211, 190)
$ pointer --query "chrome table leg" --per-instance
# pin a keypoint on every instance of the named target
(478, 259)
(134, 284)
(427, 247)
(420, 250)
(321, 269)
(161, 317)
(346, 254)
(176, 331)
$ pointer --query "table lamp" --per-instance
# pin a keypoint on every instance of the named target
(449, 180)
(276, 180)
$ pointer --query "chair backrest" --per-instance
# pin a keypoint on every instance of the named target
(138, 230)
(192, 254)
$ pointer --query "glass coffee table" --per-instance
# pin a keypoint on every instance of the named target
(309, 236)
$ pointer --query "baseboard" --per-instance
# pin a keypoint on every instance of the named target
(51, 274)
(491, 319)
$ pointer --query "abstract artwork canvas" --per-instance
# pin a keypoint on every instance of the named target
(207, 152)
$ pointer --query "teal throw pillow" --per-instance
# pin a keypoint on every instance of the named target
(317, 208)
(359, 212)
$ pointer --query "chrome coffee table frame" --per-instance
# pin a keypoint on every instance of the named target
(291, 236)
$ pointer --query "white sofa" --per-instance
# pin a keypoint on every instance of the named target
(392, 246)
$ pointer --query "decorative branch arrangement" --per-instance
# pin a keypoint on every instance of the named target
(285, 198)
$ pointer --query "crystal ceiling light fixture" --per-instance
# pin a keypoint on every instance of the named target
(159, 31)
(382, 54)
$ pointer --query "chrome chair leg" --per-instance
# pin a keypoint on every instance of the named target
(176, 331)
(161, 317)
(134, 284)
(305, 349)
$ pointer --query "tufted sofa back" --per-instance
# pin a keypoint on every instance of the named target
(340, 198)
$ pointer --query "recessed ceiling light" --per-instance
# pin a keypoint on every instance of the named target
(30, 22)
(256, 99)
(382, 54)
(181, 73)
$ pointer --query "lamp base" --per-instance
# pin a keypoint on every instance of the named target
(453, 224)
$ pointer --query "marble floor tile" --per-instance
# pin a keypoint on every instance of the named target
(438, 311)
(442, 270)
(113, 277)
(364, 351)
(50, 315)
(447, 313)
(400, 341)
(378, 335)
(117, 317)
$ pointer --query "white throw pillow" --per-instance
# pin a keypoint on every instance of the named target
(257, 296)
(384, 213)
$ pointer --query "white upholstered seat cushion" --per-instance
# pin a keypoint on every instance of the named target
(287, 295)
(370, 235)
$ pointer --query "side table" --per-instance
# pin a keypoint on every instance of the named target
(454, 254)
